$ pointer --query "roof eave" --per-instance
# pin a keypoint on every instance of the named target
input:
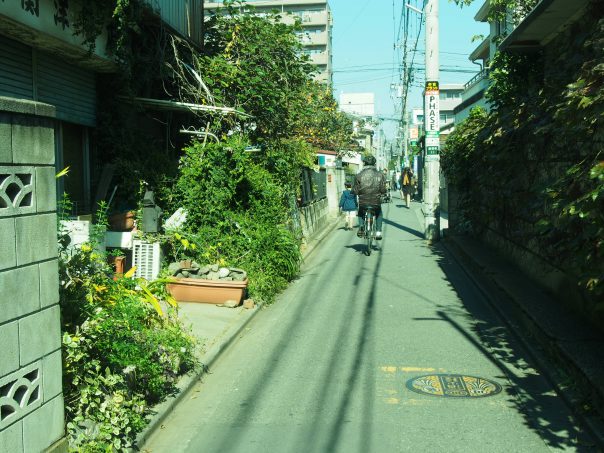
(543, 24)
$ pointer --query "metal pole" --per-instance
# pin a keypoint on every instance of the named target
(431, 203)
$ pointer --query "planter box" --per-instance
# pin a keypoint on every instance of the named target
(206, 291)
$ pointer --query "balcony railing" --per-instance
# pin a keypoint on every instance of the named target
(313, 39)
(477, 78)
(320, 58)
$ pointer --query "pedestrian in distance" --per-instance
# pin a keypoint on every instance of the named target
(370, 186)
(348, 205)
(407, 185)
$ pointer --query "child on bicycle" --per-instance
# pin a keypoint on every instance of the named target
(348, 205)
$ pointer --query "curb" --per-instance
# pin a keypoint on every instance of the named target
(188, 381)
(489, 288)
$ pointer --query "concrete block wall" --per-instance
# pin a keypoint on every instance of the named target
(31, 399)
(314, 217)
(335, 186)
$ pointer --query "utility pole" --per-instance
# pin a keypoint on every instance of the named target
(431, 204)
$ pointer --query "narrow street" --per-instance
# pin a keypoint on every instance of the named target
(325, 369)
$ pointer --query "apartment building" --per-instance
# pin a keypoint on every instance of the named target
(361, 107)
(316, 33)
(514, 33)
(474, 89)
(449, 98)
(360, 104)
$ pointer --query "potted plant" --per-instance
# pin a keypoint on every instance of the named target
(210, 284)
(117, 259)
(191, 282)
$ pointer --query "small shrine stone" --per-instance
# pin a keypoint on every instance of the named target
(238, 277)
(173, 268)
(213, 276)
(186, 274)
(204, 269)
(227, 279)
(214, 267)
(223, 272)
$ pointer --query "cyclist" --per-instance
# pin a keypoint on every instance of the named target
(370, 186)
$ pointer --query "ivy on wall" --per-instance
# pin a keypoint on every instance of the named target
(533, 168)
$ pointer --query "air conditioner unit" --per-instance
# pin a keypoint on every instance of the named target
(146, 257)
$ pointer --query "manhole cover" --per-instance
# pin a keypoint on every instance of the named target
(453, 386)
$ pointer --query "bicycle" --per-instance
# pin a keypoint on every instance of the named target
(369, 229)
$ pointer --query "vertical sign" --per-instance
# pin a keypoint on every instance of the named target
(432, 115)
(413, 133)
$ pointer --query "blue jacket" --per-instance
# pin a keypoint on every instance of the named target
(348, 201)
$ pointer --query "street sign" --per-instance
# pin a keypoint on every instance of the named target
(432, 112)
(432, 141)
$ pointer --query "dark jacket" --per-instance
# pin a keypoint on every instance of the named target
(369, 185)
(348, 201)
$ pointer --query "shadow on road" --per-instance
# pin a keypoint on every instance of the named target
(339, 378)
(412, 231)
(325, 432)
(526, 389)
(361, 247)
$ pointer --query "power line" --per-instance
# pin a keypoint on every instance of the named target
(442, 69)
(409, 72)
(361, 81)
(369, 68)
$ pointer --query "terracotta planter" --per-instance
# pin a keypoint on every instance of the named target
(206, 291)
(118, 263)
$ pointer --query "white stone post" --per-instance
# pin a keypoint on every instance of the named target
(31, 394)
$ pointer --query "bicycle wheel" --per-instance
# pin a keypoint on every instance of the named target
(368, 233)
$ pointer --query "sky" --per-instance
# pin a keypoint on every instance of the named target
(365, 60)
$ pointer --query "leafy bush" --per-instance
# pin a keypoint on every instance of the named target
(123, 350)
(537, 156)
(237, 212)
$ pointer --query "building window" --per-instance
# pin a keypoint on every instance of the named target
(450, 95)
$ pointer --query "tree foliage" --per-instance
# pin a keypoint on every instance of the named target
(503, 9)
(254, 64)
(238, 199)
(318, 122)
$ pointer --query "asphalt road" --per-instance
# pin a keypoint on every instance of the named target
(325, 369)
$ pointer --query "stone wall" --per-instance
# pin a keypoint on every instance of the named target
(31, 399)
